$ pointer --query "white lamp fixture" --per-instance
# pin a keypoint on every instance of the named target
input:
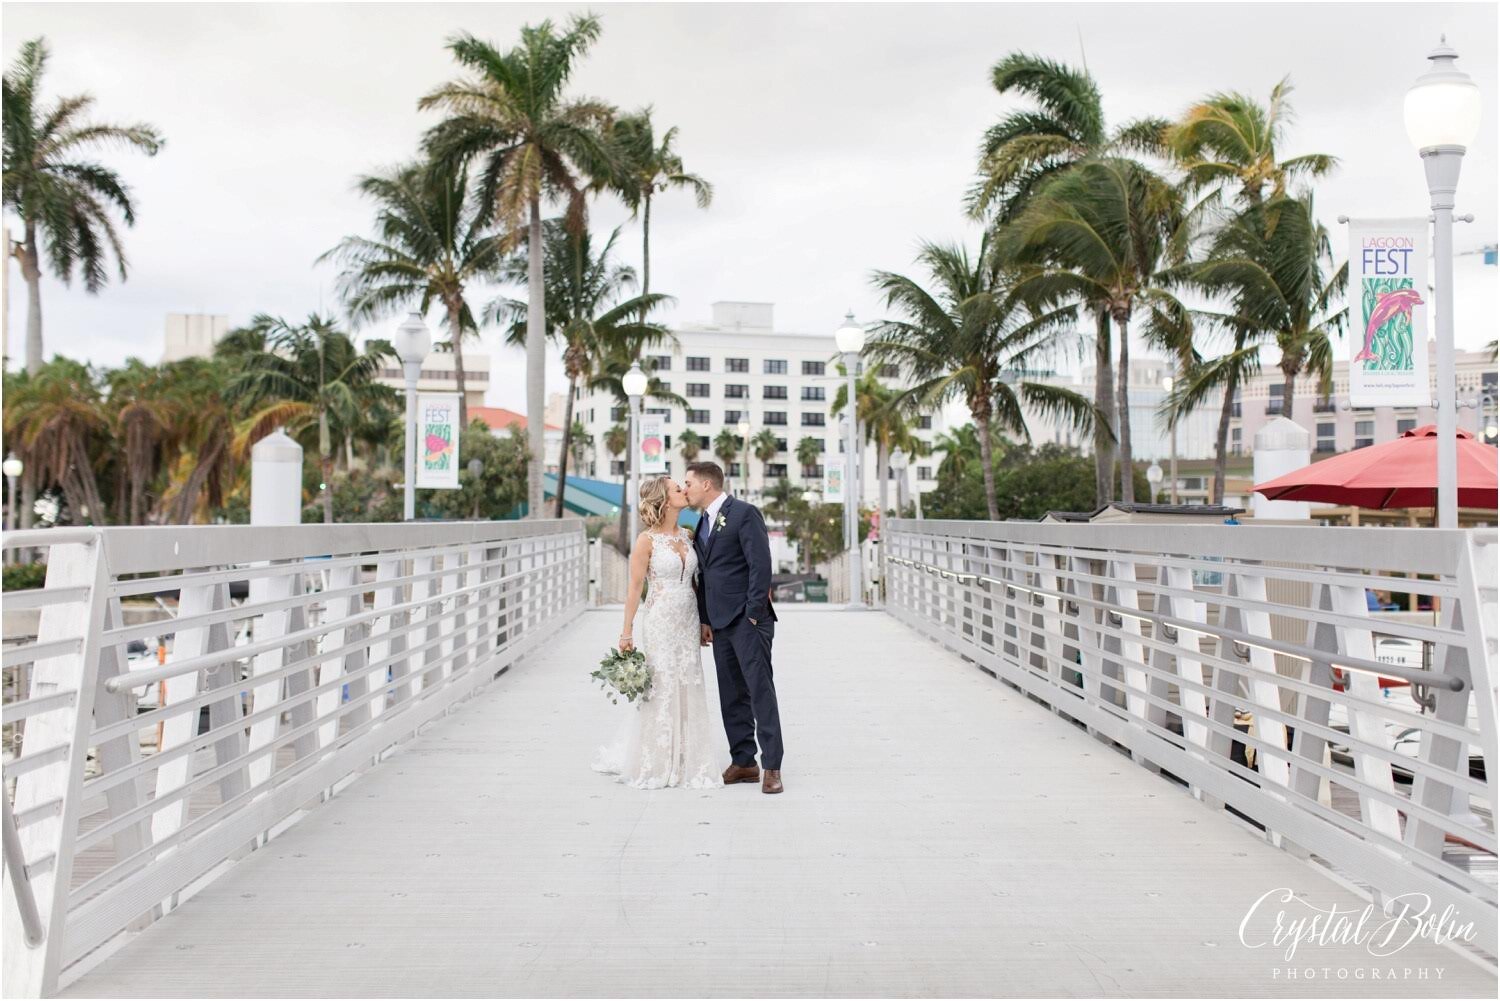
(412, 342)
(1153, 476)
(850, 337)
(635, 381)
(1442, 107)
(743, 427)
(13, 466)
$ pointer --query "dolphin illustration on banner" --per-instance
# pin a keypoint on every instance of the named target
(1387, 305)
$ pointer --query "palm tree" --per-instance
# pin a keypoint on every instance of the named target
(308, 373)
(968, 338)
(431, 243)
(1107, 228)
(586, 309)
(578, 442)
(809, 451)
(212, 448)
(532, 145)
(142, 410)
(648, 168)
(885, 418)
(616, 441)
(960, 447)
(727, 447)
(1029, 147)
(62, 201)
(764, 446)
(1230, 139)
(690, 443)
(57, 423)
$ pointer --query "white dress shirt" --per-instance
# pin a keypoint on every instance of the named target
(713, 512)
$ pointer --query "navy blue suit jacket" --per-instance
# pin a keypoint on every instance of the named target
(734, 563)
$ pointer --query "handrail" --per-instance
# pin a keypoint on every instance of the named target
(15, 868)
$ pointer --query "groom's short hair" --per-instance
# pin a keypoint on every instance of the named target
(709, 471)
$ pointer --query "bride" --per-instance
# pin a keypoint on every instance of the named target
(667, 740)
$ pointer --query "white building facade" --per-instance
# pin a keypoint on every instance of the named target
(739, 367)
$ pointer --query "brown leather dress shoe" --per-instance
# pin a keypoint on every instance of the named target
(741, 773)
(772, 780)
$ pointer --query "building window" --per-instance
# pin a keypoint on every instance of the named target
(733, 470)
(697, 389)
(658, 363)
(812, 368)
(774, 418)
(821, 446)
(924, 422)
(736, 392)
(889, 371)
(924, 472)
(773, 392)
(733, 416)
(774, 366)
(813, 393)
(781, 444)
(812, 472)
(617, 413)
(617, 467)
(776, 470)
(1364, 434)
(697, 364)
(1273, 406)
(813, 420)
(1327, 434)
(696, 417)
(1234, 441)
(1405, 424)
(659, 412)
(736, 364)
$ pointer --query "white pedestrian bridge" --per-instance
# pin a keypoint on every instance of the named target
(1058, 760)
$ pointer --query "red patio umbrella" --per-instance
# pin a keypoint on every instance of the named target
(1400, 473)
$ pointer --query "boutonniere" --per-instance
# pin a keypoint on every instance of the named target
(720, 522)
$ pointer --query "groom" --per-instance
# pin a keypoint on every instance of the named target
(734, 609)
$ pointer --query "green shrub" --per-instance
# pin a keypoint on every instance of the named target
(25, 576)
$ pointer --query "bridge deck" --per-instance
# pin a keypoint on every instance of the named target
(939, 835)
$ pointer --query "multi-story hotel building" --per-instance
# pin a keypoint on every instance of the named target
(739, 367)
(1335, 426)
(439, 375)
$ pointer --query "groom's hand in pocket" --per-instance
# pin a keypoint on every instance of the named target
(705, 634)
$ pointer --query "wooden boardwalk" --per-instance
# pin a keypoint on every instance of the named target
(940, 835)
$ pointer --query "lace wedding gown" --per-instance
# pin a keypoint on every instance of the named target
(667, 738)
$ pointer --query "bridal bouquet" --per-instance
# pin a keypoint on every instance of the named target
(626, 672)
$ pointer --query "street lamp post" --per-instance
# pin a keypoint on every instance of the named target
(1167, 383)
(743, 427)
(850, 339)
(1153, 477)
(412, 342)
(899, 462)
(1442, 117)
(476, 470)
(634, 383)
(13, 467)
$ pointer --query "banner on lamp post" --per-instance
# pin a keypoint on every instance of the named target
(437, 441)
(833, 483)
(653, 455)
(1388, 308)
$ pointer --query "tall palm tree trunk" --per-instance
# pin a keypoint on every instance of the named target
(1104, 402)
(645, 253)
(882, 458)
(1221, 440)
(31, 270)
(1127, 462)
(536, 362)
(567, 443)
(455, 324)
(325, 464)
(986, 460)
(1289, 386)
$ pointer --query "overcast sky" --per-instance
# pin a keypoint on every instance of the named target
(836, 136)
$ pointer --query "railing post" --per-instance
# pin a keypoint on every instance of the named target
(32, 971)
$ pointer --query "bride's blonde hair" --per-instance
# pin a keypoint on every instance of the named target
(654, 497)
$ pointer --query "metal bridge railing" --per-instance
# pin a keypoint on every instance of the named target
(1161, 639)
(300, 656)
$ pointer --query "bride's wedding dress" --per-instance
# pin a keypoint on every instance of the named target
(667, 738)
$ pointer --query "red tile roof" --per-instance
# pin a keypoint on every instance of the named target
(500, 419)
